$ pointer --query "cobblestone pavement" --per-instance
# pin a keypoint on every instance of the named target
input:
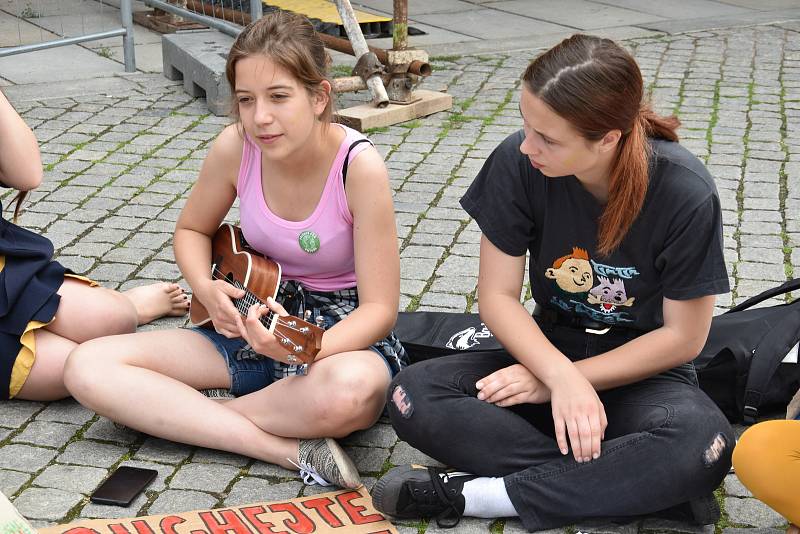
(119, 168)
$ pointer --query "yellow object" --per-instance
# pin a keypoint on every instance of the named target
(322, 10)
(27, 352)
(767, 462)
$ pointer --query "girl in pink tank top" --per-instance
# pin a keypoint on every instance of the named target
(315, 197)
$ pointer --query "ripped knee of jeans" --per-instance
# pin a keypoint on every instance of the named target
(401, 400)
(714, 451)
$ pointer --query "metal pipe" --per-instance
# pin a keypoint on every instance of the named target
(348, 16)
(400, 25)
(224, 27)
(256, 9)
(348, 84)
(128, 49)
(61, 42)
(420, 68)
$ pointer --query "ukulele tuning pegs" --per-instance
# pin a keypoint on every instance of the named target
(298, 348)
(320, 320)
(304, 330)
(292, 324)
(307, 315)
(285, 341)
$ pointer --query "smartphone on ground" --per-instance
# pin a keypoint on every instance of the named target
(124, 484)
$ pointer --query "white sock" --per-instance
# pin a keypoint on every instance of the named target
(487, 497)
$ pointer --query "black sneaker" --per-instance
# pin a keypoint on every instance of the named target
(410, 492)
(701, 511)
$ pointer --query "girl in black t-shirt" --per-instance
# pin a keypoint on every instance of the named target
(594, 410)
(45, 310)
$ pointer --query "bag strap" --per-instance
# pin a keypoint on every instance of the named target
(347, 157)
(764, 361)
(786, 287)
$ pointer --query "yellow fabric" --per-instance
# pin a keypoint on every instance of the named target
(27, 352)
(767, 462)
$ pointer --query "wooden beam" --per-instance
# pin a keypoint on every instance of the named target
(366, 116)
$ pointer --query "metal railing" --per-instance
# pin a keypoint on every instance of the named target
(33, 9)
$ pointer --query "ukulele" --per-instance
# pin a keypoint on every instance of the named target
(235, 262)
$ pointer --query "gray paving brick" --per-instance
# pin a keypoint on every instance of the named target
(752, 512)
(26, 458)
(207, 477)
(46, 503)
(368, 459)
(11, 481)
(253, 489)
(271, 470)
(46, 433)
(175, 501)
(104, 430)
(76, 479)
(92, 453)
(163, 451)
(403, 453)
(14, 413)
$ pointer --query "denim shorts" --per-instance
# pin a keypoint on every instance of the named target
(251, 371)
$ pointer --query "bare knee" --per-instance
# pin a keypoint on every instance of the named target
(119, 313)
(348, 403)
(85, 367)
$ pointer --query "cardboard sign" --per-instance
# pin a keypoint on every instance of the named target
(11, 522)
(348, 511)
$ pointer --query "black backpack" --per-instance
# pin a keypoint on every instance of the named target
(740, 366)
(427, 335)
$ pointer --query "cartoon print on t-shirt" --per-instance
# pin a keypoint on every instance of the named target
(574, 276)
(609, 294)
(573, 272)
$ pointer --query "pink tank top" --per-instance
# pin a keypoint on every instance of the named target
(318, 252)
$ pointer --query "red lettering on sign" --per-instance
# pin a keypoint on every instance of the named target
(81, 530)
(230, 522)
(322, 505)
(251, 513)
(119, 528)
(168, 523)
(302, 524)
(354, 510)
(142, 527)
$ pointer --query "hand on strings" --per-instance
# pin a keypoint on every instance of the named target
(577, 414)
(216, 296)
(512, 385)
(259, 337)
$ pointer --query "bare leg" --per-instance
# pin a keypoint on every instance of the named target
(148, 381)
(45, 381)
(157, 300)
(341, 394)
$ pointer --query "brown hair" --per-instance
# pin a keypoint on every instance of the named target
(290, 41)
(596, 85)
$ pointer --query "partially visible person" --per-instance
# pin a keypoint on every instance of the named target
(767, 461)
(45, 310)
(313, 196)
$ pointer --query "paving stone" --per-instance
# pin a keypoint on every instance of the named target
(368, 459)
(73, 478)
(666, 525)
(271, 470)
(92, 453)
(207, 477)
(752, 512)
(734, 488)
(103, 511)
(467, 525)
(14, 413)
(66, 411)
(105, 430)
(377, 436)
(253, 489)
(46, 503)
(25, 458)
(176, 501)
(163, 451)
(211, 456)
(404, 453)
(46, 433)
(11, 481)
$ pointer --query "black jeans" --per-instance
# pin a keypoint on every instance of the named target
(666, 442)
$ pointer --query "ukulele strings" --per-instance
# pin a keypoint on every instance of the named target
(243, 305)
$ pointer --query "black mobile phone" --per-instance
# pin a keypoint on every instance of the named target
(123, 485)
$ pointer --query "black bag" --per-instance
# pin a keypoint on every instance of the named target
(427, 335)
(740, 366)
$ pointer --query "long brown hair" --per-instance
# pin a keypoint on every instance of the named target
(290, 41)
(596, 85)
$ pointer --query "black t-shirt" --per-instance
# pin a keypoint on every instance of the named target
(673, 249)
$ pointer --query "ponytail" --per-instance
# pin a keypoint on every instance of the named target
(629, 176)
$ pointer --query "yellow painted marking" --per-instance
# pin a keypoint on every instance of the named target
(323, 10)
